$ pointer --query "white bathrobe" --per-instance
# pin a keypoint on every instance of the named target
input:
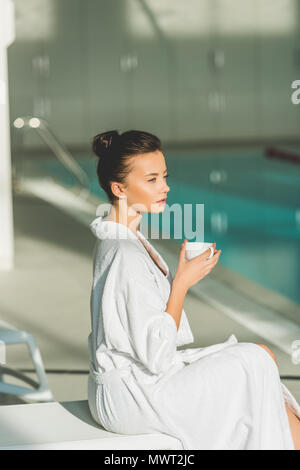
(224, 396)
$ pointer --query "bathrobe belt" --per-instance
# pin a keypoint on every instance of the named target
(182, 357)
(110, 375)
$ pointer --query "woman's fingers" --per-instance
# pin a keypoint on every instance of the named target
(213, 261)
(204, 255)
(215, 255)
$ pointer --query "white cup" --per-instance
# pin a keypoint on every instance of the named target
(197, 248)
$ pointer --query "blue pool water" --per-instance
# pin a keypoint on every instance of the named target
(251, 209)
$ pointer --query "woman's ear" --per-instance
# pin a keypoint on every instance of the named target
(117, 190)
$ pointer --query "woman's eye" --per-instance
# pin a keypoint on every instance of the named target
(154, 179)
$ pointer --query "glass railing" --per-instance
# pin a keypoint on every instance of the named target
(76, 177)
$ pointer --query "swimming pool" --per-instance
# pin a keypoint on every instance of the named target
(251, 209)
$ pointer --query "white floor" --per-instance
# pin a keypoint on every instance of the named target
(48, 294)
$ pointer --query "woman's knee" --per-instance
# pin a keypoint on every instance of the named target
(268, 351)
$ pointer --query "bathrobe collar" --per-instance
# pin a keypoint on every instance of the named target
(104, 229)
(108, 229)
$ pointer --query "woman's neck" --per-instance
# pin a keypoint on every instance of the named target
(120, 215)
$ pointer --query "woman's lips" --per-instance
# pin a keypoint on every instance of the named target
(162, 201)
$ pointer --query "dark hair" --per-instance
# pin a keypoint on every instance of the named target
(115, 150)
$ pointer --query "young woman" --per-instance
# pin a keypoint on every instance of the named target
(224, 396)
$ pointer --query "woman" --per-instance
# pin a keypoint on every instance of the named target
(224, 396)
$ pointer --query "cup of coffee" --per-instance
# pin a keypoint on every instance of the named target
(197, 248)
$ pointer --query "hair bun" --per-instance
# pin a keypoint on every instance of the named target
(104, 142)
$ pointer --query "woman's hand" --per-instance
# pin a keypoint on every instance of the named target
(189, 272)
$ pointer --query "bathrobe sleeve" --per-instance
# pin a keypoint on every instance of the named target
(140, 325)
(184, 333)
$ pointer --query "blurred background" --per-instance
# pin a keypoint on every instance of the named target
(213, 79)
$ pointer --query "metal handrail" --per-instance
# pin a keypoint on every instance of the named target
(60, 151)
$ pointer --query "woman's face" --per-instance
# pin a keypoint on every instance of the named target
(146, 183)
